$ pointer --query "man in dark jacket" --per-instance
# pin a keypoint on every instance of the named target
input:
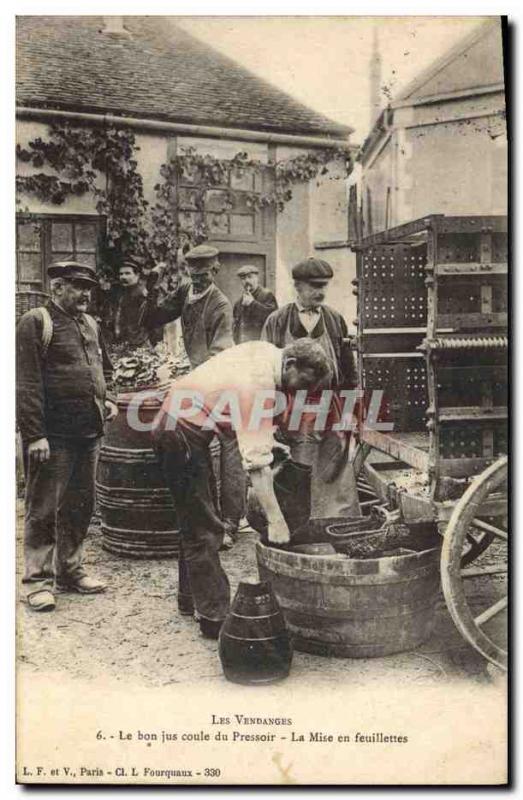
(253, 308)
(205, 312)
(62, 407)
(333, 485)
(308, 316)
(129, 307)
(206, 317)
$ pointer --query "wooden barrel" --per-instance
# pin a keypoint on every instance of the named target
(354, 608)
(255, 646)
(138, 515)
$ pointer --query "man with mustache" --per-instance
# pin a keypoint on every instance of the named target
(253, 308)
(333, 484)
(206, 318)
(62, 406)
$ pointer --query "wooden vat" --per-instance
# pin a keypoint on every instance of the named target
(356, 608)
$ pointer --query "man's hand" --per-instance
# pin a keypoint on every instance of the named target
(279, 532)
(39, 451)
(247, 298)
(112, 411)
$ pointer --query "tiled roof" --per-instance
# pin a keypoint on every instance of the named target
(158, 71)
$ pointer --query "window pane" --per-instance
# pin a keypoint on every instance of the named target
(86, 258)
(242, 224)
(189, 175)
(187, 198)
(242, 179)
(62, 237)
(29, 236)
(86, 236)
(217, 223)
(216, 201)
(187, 219)
(30, 267)
(61, 256)
(241, 204)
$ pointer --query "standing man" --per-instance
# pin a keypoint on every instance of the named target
(62, 407)
(205, 312)
(333, 484)
(206, 317)
(253, 308)
(247, 374)
(129, 309)
(308, 316)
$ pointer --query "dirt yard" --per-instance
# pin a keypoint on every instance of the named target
(133, 632)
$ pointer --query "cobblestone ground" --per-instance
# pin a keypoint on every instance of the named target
(132, 633)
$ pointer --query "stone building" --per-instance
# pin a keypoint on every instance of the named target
(440, 147)
(147, 75)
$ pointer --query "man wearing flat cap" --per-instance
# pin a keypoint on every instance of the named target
(253, 308)
(333, 485)
(205, 312)
(62, 406)
(206, 318)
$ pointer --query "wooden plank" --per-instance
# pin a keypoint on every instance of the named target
(403, 446)
(394, 331)
(448, 269)
(393, 355)
(457, 413)
(475, 320)
(485, 247)
(471, 224)
(401, 232)
(463, 467)
(486, 298)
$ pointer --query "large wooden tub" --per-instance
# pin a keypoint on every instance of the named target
(357, 608)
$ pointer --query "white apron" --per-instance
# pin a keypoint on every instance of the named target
(332, 495)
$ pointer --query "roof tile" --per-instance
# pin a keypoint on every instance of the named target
(159, 71)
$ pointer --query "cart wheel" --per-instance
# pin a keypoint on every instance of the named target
(476, 596)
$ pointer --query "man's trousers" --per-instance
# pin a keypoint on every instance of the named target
(187, 469)
(59, 503)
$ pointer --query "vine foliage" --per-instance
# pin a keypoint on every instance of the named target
(76, 160)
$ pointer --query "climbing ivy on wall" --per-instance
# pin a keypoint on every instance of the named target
(102, 161)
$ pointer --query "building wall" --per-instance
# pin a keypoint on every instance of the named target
(444, 158)
(293, 234)
(339, 294)
(377, 184)
(317, 211)
(455, 168)
(27, 131)
(454, 158)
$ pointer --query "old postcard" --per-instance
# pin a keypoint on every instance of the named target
(262, 400)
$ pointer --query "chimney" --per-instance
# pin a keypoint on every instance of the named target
(375, 78)
(114, 27)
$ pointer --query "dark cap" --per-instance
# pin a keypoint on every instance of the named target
(248, 269)
(72, 270)
(313, 270)
(200, 258)
(128, 262)
(202, 252)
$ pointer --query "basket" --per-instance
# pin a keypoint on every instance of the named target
(358, 537)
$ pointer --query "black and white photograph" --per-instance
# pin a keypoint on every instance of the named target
(262, 400)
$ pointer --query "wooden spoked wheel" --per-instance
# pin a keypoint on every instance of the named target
(477, 596)
(476, 542)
